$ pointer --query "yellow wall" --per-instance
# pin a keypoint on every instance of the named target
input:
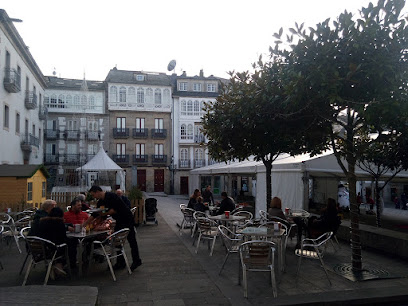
(37, 179)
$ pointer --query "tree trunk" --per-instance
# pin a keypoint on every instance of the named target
(377, 202)
(268, 166)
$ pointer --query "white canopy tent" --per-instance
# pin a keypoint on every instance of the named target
(102, 162)
(290, 177)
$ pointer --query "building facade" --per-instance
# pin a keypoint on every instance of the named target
(76, 125)
(189, 143)
(140, 107)
(22, 112)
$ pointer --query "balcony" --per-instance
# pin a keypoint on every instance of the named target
(30, 100)
(92, 135)
(120, 133)
(159, 133)
(51, 134)
(199, 138)
(50, 159)
(184, 164)
(71, 134)
(140, 159)
(159, 160)
(121, 159)
(12, 80)
(42, 112)
(72, 159)
(140, 133)
(29, 140)
(198, 163)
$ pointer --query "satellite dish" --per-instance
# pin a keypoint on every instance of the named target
(171, 65)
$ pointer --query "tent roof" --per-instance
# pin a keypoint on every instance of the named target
(100, 162)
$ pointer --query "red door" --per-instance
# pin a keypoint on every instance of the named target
(184, 185)
(158, 180)
(141, 179)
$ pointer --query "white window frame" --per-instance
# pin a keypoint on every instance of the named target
(140, 123)
(140, 149)
(197, 87)
(182, 86)
(158, 149)
(211, 87)
(158, 123)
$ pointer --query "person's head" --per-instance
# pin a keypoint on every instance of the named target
(199, 199)
(97, 192)
(119, 192)
(56, 212)
(276, 203)
(224, 195)
(48, 205)
(208, 187)
(196, 193)
(76, 206)
(331, 205)
(81, 197)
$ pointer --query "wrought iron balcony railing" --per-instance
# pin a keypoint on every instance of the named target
(121, 159)
(198, 163)
(184, 163)
(30, 100)
(159, 159)
(120, 132)
(12, 80)
(71, 134)
(159, 133)
(92, 135)
(51, 134)
(140, 159)
(140, 133)
(51, 159)
(30, 140)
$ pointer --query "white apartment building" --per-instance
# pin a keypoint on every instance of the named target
(189, 143)
(21, 108)
(76, 124)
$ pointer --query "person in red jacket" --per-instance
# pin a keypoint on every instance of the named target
(75, 215)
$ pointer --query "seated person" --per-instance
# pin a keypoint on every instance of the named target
(193, 199)
(39, 214)
(328, 221)
(81, 197)
(199, 205)
(75, 215)
(227, 204)
(276, 208)
(52, 228)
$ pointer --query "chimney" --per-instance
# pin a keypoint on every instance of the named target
(184, 74)
(201, 73)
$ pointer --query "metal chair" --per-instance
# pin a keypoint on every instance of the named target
(283, 240)
(236, 210)
(10, 229)
(248, 217)
(23, 234)
(197, 214)
(1, 232)
(188, 219)
(110, 248)
(43, 250)
(22, 222)
(231, 241)
(258, 256)
(318, 246)
(207, 229)
(263, 215)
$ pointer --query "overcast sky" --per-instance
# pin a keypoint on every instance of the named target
(93, 36)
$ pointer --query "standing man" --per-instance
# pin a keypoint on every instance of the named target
(124, 198)
(208, 196)
(124, 219)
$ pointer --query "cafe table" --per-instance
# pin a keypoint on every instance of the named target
(268, 232)
(82, 238)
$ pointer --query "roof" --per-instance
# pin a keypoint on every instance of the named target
(100, 162)
(129, 77)
(73, 84)
(22, 171)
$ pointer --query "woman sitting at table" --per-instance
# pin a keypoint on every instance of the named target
(193, 199)
(328, 221)
(199, 205)
(276, 208)
(52, 228)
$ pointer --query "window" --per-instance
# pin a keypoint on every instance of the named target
(139, 77)
(183, 86)
(30, 191)
(149, 95)
(158, 149)
(158, 123)
(183, 131)
(68, 101)
(189, 108)
(17, 123)
(39, 136)
(113, 94)
(83, 102)
(132, 94)
(140, 95)
(157, 96)
(121, 149)
(33, 130)
(72, 125)
(202, 108)
(53, 103)
(92, 102)
(197, 86)
(166, 96)
(211, 87)
(183, 108)
(196, 108)
(140, 149)
(190, 131)
(43, 188)
(40, 99)
(61, 101)
(140, 123)
(76, 102)
(184, 154)
(121, 123)
(122, 94)
(47, 101)
(6, 119)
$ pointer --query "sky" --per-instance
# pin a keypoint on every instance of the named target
(94, 36)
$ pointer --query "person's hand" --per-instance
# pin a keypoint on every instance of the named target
(71, 229)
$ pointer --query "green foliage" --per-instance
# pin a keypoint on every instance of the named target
(135, 193)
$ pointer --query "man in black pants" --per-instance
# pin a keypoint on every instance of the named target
(124, 219)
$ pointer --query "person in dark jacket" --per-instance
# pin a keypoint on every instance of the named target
(39, 214)
(124, 219)
(208, 196)
(227, 204)
(328, 221)
(124, 198)
(276, 208)
(193, 199)
(199, 206)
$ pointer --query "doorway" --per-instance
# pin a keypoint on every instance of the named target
(184, 185)
(141, 179)
(158, 180)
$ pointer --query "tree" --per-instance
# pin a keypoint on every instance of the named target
(353, 72)
(251, 117)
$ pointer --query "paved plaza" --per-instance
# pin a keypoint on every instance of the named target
(172, 274)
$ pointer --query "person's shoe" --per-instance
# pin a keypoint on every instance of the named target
(119, 266)
(135, 265)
